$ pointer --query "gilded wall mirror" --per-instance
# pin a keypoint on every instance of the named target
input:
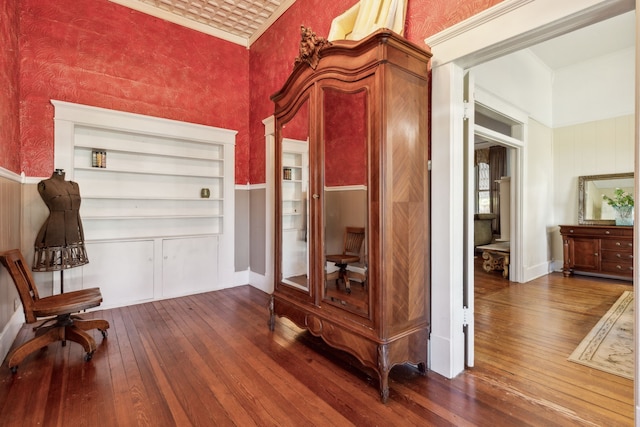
(592, 209)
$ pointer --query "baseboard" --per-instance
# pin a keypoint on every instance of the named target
(241, 278)
(260, 281)
(536, 271)
(10, 332)
(440, 361)
(557, 266)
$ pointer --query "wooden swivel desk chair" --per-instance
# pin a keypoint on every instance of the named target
(353, 238)
(65, 325)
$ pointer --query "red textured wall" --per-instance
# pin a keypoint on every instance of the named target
(9, 94)
(272, 54)
(345, 138)
(98, 53)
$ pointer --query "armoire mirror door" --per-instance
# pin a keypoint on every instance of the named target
(345, 135)
(294, 209)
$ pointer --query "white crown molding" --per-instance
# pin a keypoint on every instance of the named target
(517, 24)
(273, 18)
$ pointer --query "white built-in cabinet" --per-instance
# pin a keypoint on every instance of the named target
(158, 216)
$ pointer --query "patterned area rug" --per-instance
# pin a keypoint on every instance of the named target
(609, 345)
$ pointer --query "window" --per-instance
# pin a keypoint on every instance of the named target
(483, 188)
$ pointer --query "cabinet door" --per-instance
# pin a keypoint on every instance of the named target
(122, 270)
(189, 265)
(585, 254)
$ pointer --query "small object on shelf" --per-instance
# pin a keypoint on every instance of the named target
(98, 159)
(286, 174)
(205, 193)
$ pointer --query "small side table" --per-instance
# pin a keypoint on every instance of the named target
(496, 257)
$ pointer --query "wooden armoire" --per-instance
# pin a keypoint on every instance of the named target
(351, 126)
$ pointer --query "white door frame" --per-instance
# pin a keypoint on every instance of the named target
(505, 28)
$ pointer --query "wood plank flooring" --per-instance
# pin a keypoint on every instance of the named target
(210, 360)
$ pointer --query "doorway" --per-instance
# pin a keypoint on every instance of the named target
(487, 36)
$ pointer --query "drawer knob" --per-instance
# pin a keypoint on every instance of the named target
(607, 232)
(596, 254)
(618, 244)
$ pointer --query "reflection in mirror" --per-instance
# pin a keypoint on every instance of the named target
(591, 208)
(295, 204)
(345, 131)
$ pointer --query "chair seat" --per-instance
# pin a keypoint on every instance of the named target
(343, 259)
(67, 303)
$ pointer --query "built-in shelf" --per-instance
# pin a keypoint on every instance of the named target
(143, 210)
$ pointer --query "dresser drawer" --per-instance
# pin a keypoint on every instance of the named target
(621, 245)
(621, 268)
(595, 231)
(617, 256)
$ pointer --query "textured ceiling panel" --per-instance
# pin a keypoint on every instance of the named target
(242, 20)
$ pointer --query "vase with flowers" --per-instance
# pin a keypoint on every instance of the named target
(622, 203)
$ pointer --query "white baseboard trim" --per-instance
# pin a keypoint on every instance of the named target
(441, 361)
(262, 282)
(536, 271)
(10, 332)
(241, 278)
(556, 266)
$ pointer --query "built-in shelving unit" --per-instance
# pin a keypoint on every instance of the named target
(164, 194)
(295, 181)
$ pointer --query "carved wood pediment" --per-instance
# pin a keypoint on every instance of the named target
(310, 46)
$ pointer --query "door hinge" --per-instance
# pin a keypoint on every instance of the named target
(465, 110)
(428, 165)
(465, 316)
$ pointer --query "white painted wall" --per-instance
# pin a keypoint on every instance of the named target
(592, 148)
(538, 218)
(522, 80)
(594, 90)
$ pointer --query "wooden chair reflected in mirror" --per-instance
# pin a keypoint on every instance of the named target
(57, 312)
(353, 239)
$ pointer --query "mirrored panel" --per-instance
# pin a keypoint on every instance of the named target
(592, 209)
(295, 202)
(345, 137)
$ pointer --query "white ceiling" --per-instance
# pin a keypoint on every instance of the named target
(597, 40)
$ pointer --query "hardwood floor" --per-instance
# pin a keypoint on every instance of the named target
(210, 359)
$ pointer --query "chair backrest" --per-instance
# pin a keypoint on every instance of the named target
(353, 238)
(14, 262)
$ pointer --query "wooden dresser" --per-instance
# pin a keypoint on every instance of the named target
(598, 250)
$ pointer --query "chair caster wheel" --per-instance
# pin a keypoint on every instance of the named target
(104, 333)
(88, 357)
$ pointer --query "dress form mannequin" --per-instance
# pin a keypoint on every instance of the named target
(60, 242)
